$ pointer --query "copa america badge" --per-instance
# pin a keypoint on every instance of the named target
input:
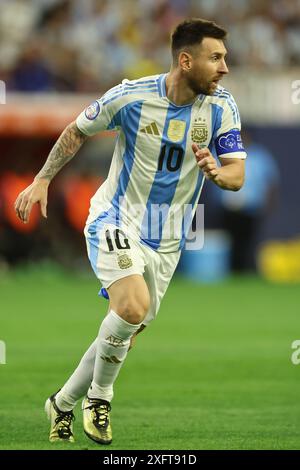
(92, 111)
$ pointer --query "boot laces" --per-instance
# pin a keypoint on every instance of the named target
(65, 420)
(100, 410)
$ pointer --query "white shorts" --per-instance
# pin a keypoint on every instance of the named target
(114, 255)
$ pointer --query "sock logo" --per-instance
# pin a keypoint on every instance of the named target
(114, 341)
(111, 359)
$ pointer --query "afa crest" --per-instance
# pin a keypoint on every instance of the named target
(199, 131)
(124, 261)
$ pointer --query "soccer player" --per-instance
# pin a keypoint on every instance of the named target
(168, 125)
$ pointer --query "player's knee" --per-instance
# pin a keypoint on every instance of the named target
(134, 309)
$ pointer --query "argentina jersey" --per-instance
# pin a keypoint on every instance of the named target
(154, 183)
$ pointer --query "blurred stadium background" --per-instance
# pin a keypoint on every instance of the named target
(240, 293)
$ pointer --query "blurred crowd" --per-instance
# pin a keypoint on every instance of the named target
(60, 238)
(90, 45)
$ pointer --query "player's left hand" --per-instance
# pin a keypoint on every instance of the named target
(206, 162)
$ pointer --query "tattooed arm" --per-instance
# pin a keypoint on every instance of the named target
(65, 148)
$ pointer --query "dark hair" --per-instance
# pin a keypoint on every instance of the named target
(192, 32)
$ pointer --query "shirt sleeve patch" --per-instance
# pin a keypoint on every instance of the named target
(92, 110)
(229, 142)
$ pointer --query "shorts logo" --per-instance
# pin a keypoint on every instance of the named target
(92, 111)
(124, 261)
(176, 130)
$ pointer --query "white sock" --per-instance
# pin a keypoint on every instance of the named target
(105, 393)
(112, 346)
(79, 382)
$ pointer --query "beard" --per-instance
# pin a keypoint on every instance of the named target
(201, 87)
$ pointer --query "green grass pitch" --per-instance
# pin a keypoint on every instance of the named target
(213, 371)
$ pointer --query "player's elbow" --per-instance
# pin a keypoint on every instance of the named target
(238, 183)
(239, 179)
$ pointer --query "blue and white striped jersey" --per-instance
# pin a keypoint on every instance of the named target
(154, 179)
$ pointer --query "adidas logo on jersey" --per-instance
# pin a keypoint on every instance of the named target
(152, 129)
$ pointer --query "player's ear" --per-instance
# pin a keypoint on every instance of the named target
(185, 61)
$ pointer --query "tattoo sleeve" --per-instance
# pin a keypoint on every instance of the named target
(64, 149)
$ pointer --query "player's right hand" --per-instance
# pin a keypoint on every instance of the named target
(36, 192)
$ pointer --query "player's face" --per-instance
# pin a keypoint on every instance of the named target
(208, 66)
